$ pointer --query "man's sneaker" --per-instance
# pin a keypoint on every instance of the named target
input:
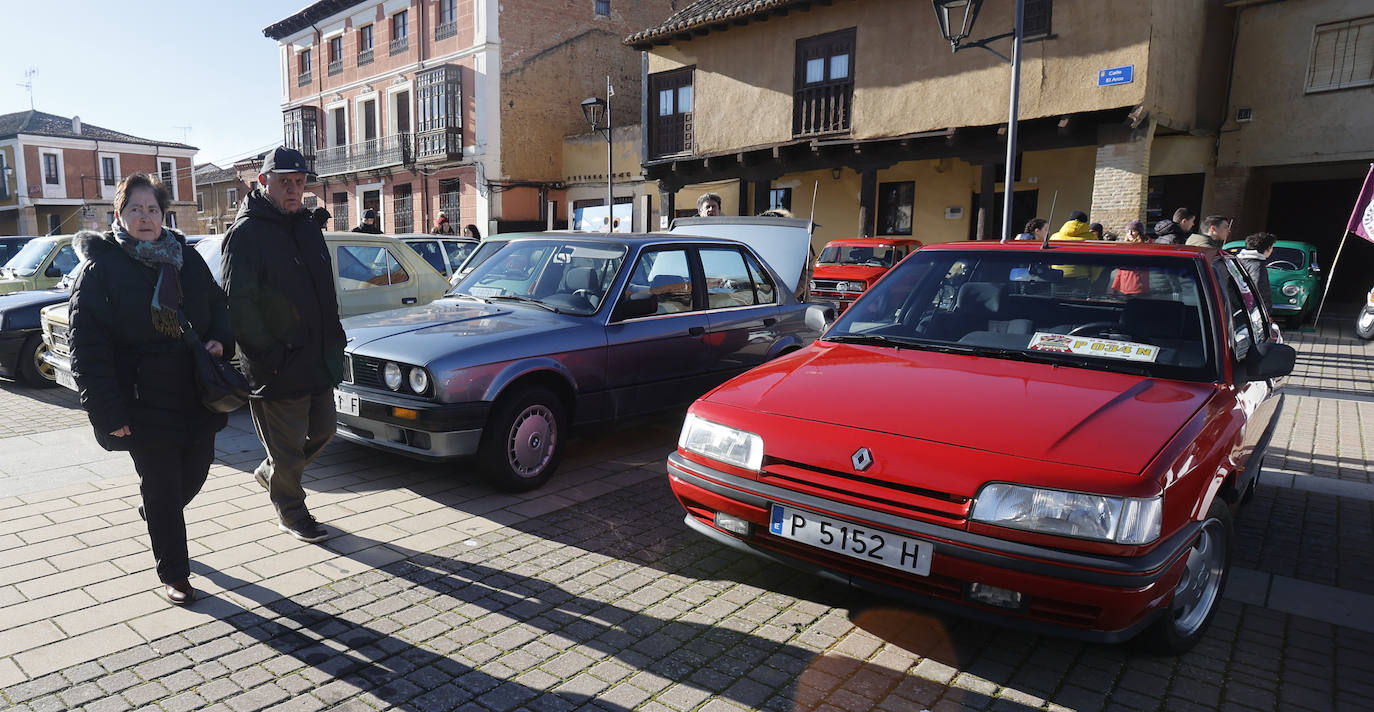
(261, 477)
(305, 529)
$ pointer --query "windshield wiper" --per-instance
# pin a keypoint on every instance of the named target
(1063, 359)
(528, 300)
(465, 295)
(873, 340)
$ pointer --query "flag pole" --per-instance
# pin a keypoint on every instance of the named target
(1330, 276)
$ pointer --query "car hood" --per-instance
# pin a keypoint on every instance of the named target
(32, 298)
(10, 285)
(427, 333)
(847, 272)
(1065, 415)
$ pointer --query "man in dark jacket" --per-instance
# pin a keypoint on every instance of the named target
(1254, 259)
(369, 224)
(1176, 231)
(280, 280)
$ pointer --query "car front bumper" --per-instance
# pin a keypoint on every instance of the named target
(1072, 594)
(437, 432)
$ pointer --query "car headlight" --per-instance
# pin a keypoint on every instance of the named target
(857, 286)
(813, 285)
(391, 375)
(419, 380)
(1124, 520)
(719, 442)
(1292, 289)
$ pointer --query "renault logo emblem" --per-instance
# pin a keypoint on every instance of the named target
(862, 459)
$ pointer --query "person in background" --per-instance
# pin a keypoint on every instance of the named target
(1076, 229)
(708, 205)
(1216, 230)
(321, 217)
(776, 213)
(279, 277)
(1175, 232)
(443, 226)
(1135, 232)
(471, 230)
(1036, 228)
(1254, 259)
(369, 224)
(1096, 229)
(134, 371)
(1132, 281)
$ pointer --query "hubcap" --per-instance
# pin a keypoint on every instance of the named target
(1366, 317)
(43, 368)
(532, 438)
(1198, 589)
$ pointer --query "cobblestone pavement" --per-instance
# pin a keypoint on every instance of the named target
(591, 594)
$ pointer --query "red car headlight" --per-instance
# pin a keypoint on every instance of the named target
(1123, 520)
(721, 442)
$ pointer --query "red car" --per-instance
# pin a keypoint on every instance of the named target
(846, 268)
(995, 431)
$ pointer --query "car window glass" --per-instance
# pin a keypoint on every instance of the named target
(362, 267)
(210, 252)
(429, 249)
(665, 274)
(458, 251)
(1295, 257)
(65, 259)
(763, 284)
(398, 273)
(727, 279)
(27, 261)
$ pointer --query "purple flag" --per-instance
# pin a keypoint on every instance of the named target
(1362, 219)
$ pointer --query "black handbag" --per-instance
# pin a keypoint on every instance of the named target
(221, 387)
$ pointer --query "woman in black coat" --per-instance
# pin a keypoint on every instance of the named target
(134, 371)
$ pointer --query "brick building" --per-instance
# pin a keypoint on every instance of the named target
(58, 175)
(218, 192)
(411, 107)
(861, 107)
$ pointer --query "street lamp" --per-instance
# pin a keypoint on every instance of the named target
(593, 108)
(966, 11)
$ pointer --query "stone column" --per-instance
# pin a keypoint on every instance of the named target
(1121, 178)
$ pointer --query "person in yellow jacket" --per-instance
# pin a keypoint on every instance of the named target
(1075, 230)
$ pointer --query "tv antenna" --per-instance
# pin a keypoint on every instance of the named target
(185, 133)
(28, 84)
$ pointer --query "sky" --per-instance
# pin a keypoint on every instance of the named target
(198, 72)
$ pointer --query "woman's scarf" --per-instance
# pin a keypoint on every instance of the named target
(163, 255)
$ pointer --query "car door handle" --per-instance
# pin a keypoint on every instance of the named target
(696, 330)
(408, 300)
(769, 321)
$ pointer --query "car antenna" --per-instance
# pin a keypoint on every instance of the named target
(811, 227)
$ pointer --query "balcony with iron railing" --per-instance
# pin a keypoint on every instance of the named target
(445, 30)
(335, 67)
(393, 150)
(399, 45)
(305, 78)
(365, 57)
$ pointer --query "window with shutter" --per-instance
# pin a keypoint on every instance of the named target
(671, 106)
(1342, 55)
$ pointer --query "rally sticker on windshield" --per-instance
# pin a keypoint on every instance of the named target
(1089, 346)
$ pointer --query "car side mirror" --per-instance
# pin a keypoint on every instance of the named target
(820, 316)
(634, 305)
(52, 271)
(1276, 361)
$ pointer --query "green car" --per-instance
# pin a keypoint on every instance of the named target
(1294, 278)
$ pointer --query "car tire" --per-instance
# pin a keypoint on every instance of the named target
(524, 439)
(1364, 323)
(1197, 596)
(32, 369)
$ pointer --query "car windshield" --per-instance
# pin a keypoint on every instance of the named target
(30, 258)
(569, 276)
(867, 255)
(1295, 257)
(1118, 311)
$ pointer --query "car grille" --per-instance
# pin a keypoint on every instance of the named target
(60, 338)
(830, 285)
(920, 503)
(367, 372)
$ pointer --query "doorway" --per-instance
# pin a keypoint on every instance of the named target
(1023, 206)
(1316, 211)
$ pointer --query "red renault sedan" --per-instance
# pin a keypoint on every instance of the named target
(1055, 436)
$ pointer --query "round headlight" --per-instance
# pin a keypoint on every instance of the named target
(391, 374)
(419, 380)
(1292, 289)
(813, 285)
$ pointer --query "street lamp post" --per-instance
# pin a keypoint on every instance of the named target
(593, 108)
(965, 12)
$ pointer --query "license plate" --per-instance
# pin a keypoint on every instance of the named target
(853, 540)
(65, 379)
(345, 403)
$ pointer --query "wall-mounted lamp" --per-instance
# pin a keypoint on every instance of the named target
(835, 173)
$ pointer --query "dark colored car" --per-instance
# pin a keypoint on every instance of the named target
(21, 335)
(1056, 452)
(557, 329)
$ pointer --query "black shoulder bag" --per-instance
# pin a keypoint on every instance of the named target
(222, 388)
